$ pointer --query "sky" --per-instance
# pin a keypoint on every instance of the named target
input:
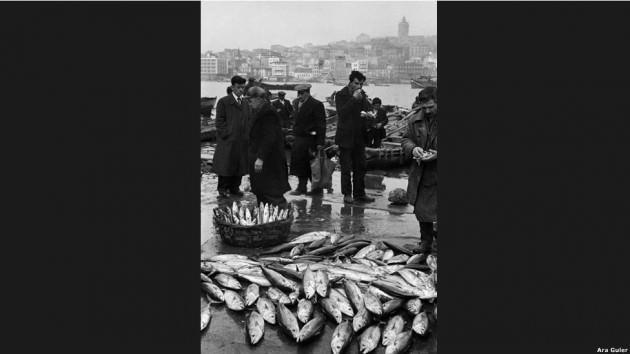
(259, 24)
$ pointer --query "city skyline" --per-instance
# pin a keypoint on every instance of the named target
(291, 28)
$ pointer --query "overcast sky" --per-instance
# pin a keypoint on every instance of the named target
(258, 24)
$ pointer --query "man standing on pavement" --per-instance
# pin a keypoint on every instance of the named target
(420, 141)
(284, 110)
(351, 137)
(309, 128)
(230, 156)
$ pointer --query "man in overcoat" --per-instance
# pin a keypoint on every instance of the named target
(351, 137)
(267, 165)
(284, 110)
(230, 156)
(421, 142)
(309, 129)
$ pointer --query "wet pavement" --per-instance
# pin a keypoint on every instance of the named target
(376, 221)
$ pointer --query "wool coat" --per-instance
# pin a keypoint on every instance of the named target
(230, 155)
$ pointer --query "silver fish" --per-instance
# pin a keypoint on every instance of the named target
(234, 301)
(364, 251)
(216, 267)
(401, 343)
(312, 327)
(297, 250)
(224, 257)
(255, 327)
(310, 237)
(394, 326)
(304, 310)
(288, 321)
(266, 309)
(341, 337)
(415, 259)
(258, 280)
(432, 262)
(392, 305)
(332, 308)
(380, 294)
(399, 259)
(376, 254)
(387, 255)
(282, 260)
(354, 293)
(293, 297)
(308, 282)
(321, 283)
(279, 280)
(204, 278)
(414, 306)
(421, 323)
(373, 304)
(214, 291)
(342, 301)
(370, 339)
(277, 296)
(361, 319)
(228, 281)
(205, 317)
(334, 238)
(251, 294)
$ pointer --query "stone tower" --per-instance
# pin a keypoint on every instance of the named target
(403, 28)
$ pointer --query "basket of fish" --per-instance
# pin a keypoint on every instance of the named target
(262, 225)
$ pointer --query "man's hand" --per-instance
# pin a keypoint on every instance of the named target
(258, 165)
(379, 125)
(417, 152)
(357, 94)
(431, 157)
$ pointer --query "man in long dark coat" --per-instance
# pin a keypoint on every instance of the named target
(420, 141)
(230, 156)
(267, 165)
(351, 137)
(283, 109)
(309, 129)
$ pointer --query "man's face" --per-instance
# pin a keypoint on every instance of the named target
(281, 98)
(355, 85)
(429, 108)
(238, 89)
(377, 106)
(303, 95)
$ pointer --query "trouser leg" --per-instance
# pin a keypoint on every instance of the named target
(426, 232)
(345, 160)
(224, 184)
(235, 183)
(358, 171)
(280, 201)
(302, 184)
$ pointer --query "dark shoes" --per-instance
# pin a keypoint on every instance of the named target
(363, 199)
(348, 199)
(298, 192)
(317, 191)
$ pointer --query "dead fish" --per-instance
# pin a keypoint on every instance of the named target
(354, 294)
(208, 268)
(421, 323)
(394, 326)
(364, 251)
(260, 281)
(213, 291)
(310, 237)
(234, 301)
(331, 307)
(414, 306)
(205, 317)
(293, 274)
(361, 319)
(316, 244)
(432, 262)
(276, 260)
(308, 282)
(322, 250)
(387, 255)
(416, 258)
(392, 305)
(334, 238)
(223, 257)
(204, 278)
(401, 343)
(255, 327)
(278, 249)
(342, 302)
(399, 259)
(228, 281)
(373, 304)
(277, 296)
(297, 250)
(293, 297)
(345, 252)
(398, 249)
(279, 280)
(375, 255)
(370, 339)
(321, 283)
(341, 337)
(380, 294)
(251, 294)
(304, 310)
(266, 309)
(312, 327)
(287, 321)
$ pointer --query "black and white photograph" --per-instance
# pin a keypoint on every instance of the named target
(319, 131)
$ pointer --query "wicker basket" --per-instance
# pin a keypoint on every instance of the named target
(262, 235)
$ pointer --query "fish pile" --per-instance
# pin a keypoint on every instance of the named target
(241, 215)
(377, 292)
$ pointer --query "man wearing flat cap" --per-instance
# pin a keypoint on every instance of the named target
(310, 134)
(284, 110)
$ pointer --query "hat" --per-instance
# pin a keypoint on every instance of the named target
(302, 87)
(282, 93)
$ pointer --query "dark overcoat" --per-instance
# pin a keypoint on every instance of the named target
(284, 110)
(266, 142)
(351, 127)
(422, 185)
(309, 129)
(230, 155)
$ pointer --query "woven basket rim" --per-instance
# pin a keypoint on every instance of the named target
(288, 220)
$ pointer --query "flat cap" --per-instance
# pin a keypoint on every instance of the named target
(301, 87)
(282, 93)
